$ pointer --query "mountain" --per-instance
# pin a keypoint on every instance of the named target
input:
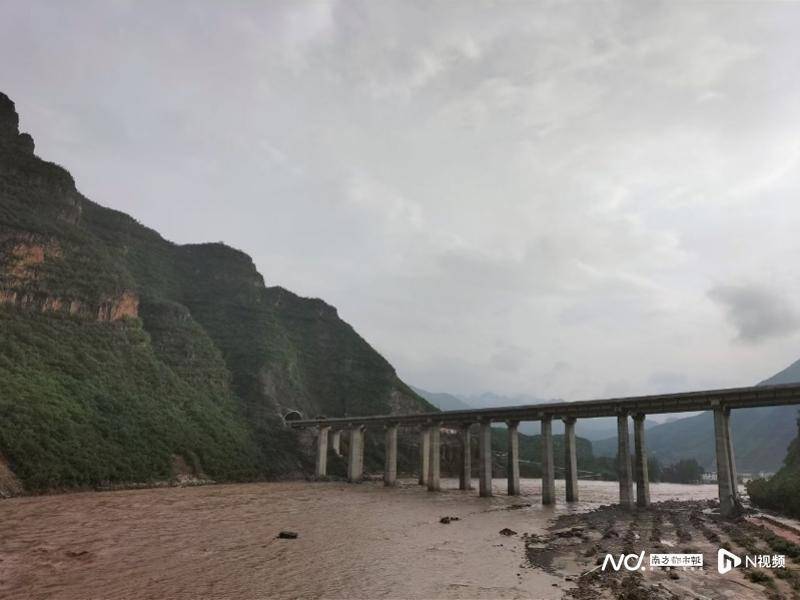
(530, 454)
(781, 492)
(761, 436)
(443, 401)
(590, 429)
(127, 358)
(493, 400)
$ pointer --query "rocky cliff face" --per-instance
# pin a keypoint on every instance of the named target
(46, 256)
(111, 335)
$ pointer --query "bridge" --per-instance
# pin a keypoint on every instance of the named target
(429, 425)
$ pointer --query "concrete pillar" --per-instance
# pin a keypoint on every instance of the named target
(731, 457)
(548, 465)
(485, 459)
(640, 449)
(336, 442)
(465, 473)
(322, 451)
(355, 464)
(512, 465)
(570, 460)
(390, 466)
(361, 450)
(424, 455)
(624, 470)
(728, 503)
(434, 459)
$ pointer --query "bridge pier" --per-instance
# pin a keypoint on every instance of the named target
(512, 458)
(322, 451)
(485, 459)
(465, 474)
(434, 459)
(624, 470)
(732, 459)
(336, 441)
(548, 466)
(361, 445)
(726, 476)
(390, 466)
(640, 450)
(355, 454)
(424, 451)
(570, 460)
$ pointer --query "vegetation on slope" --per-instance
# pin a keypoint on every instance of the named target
(686, 470)
(780, 492)
(85, 403)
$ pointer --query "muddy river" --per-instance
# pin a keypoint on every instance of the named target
(354, 541)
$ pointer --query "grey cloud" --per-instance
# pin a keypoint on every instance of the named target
(509, 358)
(564, 177)
(665, 382)
(756, 313)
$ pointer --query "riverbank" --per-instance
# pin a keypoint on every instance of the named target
(354, 541)
(575, 546)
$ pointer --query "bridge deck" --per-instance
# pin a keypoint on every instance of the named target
(732, 398)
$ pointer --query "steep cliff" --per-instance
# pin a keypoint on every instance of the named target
(124, 357)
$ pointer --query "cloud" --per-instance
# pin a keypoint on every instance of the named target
(483, 190)
(509, 358)
(666, 382)
(756, 313)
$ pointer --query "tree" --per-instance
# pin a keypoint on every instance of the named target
(654, 469)
(687, 470)
(780, 492)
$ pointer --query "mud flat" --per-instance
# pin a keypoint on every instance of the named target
(576, 544)
(359, 541)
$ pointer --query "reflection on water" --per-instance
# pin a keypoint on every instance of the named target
(355, 541)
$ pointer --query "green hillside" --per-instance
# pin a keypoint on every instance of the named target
(782, 491)
(530, 454)
(126, 358)
(761, 436)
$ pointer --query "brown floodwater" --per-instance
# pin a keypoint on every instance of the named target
(220, 541)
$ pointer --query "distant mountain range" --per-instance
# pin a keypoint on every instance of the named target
(590, 429)
(761, 436)
(443, 401)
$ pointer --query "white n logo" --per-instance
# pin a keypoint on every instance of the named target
(727, 561)
(615, 565)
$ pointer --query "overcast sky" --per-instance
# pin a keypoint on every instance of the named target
(569, 201)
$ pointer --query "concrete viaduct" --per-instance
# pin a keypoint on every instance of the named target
(721, 402)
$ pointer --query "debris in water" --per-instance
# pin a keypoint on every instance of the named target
(507, 531)
(288, 535)
(447, 520)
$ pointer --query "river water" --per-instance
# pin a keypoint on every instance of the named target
(220, 541)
